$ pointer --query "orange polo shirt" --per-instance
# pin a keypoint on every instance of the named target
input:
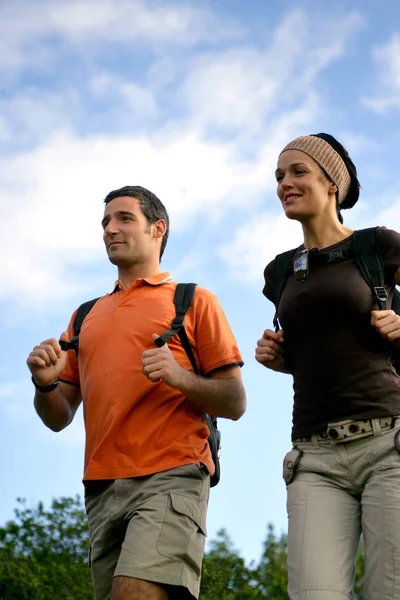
(133, 426)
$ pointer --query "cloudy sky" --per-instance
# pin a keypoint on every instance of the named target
(193, 100)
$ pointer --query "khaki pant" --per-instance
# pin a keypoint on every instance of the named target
(339, 491)
(151, 528)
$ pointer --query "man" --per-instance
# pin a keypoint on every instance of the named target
(147, 460)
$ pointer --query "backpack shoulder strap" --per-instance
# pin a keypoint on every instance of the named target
(283, 263)
(370, 263)
(81, 313)
(396, 302)
(183, 300)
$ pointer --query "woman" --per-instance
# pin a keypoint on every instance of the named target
(343, 473)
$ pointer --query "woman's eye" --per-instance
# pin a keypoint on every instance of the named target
(299, 172)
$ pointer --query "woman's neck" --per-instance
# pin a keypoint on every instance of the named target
(323, 233)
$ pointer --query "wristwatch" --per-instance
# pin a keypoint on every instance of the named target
(44, 389)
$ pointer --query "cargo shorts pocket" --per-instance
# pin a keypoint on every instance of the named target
(183, 533)
(291, 464)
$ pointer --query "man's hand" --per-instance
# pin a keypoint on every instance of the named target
(159, 363)
(388, 325)
(47, 361)
(269, 351)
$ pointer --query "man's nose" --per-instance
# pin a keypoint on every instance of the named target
(111, 228)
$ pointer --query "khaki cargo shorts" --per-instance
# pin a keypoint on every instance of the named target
(151, 528)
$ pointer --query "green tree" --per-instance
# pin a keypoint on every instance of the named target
(359, 572)
(43, 554)
(225, 574)
(272, 571)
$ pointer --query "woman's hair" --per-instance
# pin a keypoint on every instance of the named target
(336, 163)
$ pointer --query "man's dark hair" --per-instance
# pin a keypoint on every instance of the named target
(152, 207)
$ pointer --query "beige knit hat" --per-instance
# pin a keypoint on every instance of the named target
(327, 158)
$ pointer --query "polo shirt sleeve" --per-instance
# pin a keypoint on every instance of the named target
(389, 241)
(71, 372)
(269, 279)
(215, 343)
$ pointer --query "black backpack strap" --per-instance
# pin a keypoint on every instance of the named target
(81, 313)
(370, 263)
(396, 302)
(183, 300)
(283, 266)
(188, 348)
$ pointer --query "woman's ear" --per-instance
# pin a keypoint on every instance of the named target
(333, 187)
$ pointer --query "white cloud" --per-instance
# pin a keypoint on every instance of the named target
(29, 32)
(56, 226)
(124, 95)
(258, 242)
(227, 90)
(139, 21)
(387, 61)
(32, 115)
(240, 88)
(267, 234)
(53, 234)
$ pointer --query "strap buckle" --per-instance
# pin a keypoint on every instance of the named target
(73, 344)
(380, 293)
(335, 256)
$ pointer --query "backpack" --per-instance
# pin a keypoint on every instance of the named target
(367, 252)
(183, 299)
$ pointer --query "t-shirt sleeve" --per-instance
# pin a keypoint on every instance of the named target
(269, 278)
(71, 372)
(215, 343)
(389, 241)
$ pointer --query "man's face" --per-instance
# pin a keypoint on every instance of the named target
(128, 237)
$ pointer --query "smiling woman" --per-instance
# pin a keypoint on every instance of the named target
(343, 472)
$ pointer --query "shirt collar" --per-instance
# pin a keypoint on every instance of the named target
(158, 279)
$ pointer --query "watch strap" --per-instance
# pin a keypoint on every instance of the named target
(44, 389)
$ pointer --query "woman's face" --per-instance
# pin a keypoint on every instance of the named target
(303, 188)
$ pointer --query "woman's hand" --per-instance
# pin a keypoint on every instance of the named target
(269, 351)
(388, 325)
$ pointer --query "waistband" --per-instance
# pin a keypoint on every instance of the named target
(344, 431)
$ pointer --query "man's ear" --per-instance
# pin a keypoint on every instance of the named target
(159, 228)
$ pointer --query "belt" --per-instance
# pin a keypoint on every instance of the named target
(344, 431)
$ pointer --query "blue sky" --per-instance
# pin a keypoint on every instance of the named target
(193, 100)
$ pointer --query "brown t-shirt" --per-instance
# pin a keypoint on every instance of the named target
(342, 367)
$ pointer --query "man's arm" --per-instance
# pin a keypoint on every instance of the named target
(221, 394)
(58, 407)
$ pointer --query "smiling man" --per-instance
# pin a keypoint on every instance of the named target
(147, 459)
